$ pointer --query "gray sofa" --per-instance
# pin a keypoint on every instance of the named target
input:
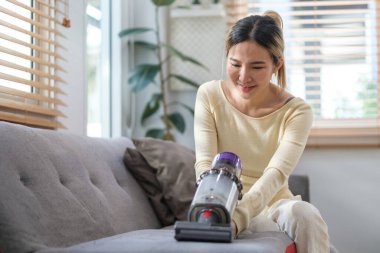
(61, 192)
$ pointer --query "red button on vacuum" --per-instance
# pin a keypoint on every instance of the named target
(207, 214)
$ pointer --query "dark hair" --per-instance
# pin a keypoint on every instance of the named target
(265, 30)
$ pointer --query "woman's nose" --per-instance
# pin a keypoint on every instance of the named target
(244, 75)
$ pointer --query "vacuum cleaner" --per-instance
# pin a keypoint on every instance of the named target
(210, 212)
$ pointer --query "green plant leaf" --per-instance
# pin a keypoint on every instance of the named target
(152, 106)
(191, 110)
(163, 2)
(183, 57)
(177, 121)
(185, 80)
(134, 31)
(144, 44)
(155, 133)
(142, 75)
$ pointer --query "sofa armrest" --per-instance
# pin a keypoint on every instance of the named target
(299, 185)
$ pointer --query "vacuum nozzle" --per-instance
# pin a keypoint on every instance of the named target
(194, 231)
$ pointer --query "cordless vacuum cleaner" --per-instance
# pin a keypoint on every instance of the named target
(210, 213)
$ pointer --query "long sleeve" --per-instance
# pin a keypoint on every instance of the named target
(205, 134)
(281, 165)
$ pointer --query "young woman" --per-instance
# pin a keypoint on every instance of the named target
(266, 126)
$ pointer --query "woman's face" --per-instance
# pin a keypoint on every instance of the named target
(250, 68)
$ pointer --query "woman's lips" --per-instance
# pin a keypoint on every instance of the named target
(246, 88)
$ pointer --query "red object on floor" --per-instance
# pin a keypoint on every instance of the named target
(291, 248)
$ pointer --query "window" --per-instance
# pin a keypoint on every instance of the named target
(29, 61)
(331, 56)
(98, 68)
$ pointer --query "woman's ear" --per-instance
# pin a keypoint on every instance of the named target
(279, 64)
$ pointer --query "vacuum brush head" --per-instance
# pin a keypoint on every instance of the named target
(194, 231)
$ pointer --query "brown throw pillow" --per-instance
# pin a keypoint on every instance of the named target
(165, 170)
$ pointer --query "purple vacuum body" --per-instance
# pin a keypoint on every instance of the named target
(210, 213)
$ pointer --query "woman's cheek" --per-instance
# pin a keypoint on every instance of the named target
(232, 73)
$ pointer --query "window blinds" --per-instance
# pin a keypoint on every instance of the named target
(29, 62)
(331, 55)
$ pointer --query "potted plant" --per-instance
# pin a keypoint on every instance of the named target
(152, 73)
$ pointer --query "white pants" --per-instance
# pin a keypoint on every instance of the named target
(300, 220)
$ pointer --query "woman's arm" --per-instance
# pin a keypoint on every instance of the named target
(205, 134)
(281, 165)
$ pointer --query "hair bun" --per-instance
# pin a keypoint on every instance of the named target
(277, 18)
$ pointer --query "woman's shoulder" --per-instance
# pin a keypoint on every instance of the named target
(298, 102)
(298, 106)
(210, 85)
(210, 89)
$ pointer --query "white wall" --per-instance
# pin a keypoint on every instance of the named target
(75, 76)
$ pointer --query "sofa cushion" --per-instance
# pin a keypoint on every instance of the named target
(58, 189)
(165, 170)
(163, 241)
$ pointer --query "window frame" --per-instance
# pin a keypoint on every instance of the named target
(104, 80)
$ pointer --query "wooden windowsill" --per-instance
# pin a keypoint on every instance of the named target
(345, 133)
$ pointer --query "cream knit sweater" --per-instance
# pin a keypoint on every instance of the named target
(269, 146)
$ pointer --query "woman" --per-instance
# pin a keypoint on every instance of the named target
(266, 126)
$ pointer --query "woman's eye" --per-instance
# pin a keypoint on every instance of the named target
(258, 67)
(235, 65)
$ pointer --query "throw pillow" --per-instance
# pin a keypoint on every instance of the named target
(146, 177)
(165, 170)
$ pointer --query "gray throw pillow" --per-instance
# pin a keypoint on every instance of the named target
(165, 170)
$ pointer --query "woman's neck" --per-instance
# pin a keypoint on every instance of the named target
(259, 104)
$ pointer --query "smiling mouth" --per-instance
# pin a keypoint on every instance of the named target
(246, 89)
(246, 86)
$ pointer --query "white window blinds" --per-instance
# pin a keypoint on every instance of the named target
(29, 61)
(331, 55)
